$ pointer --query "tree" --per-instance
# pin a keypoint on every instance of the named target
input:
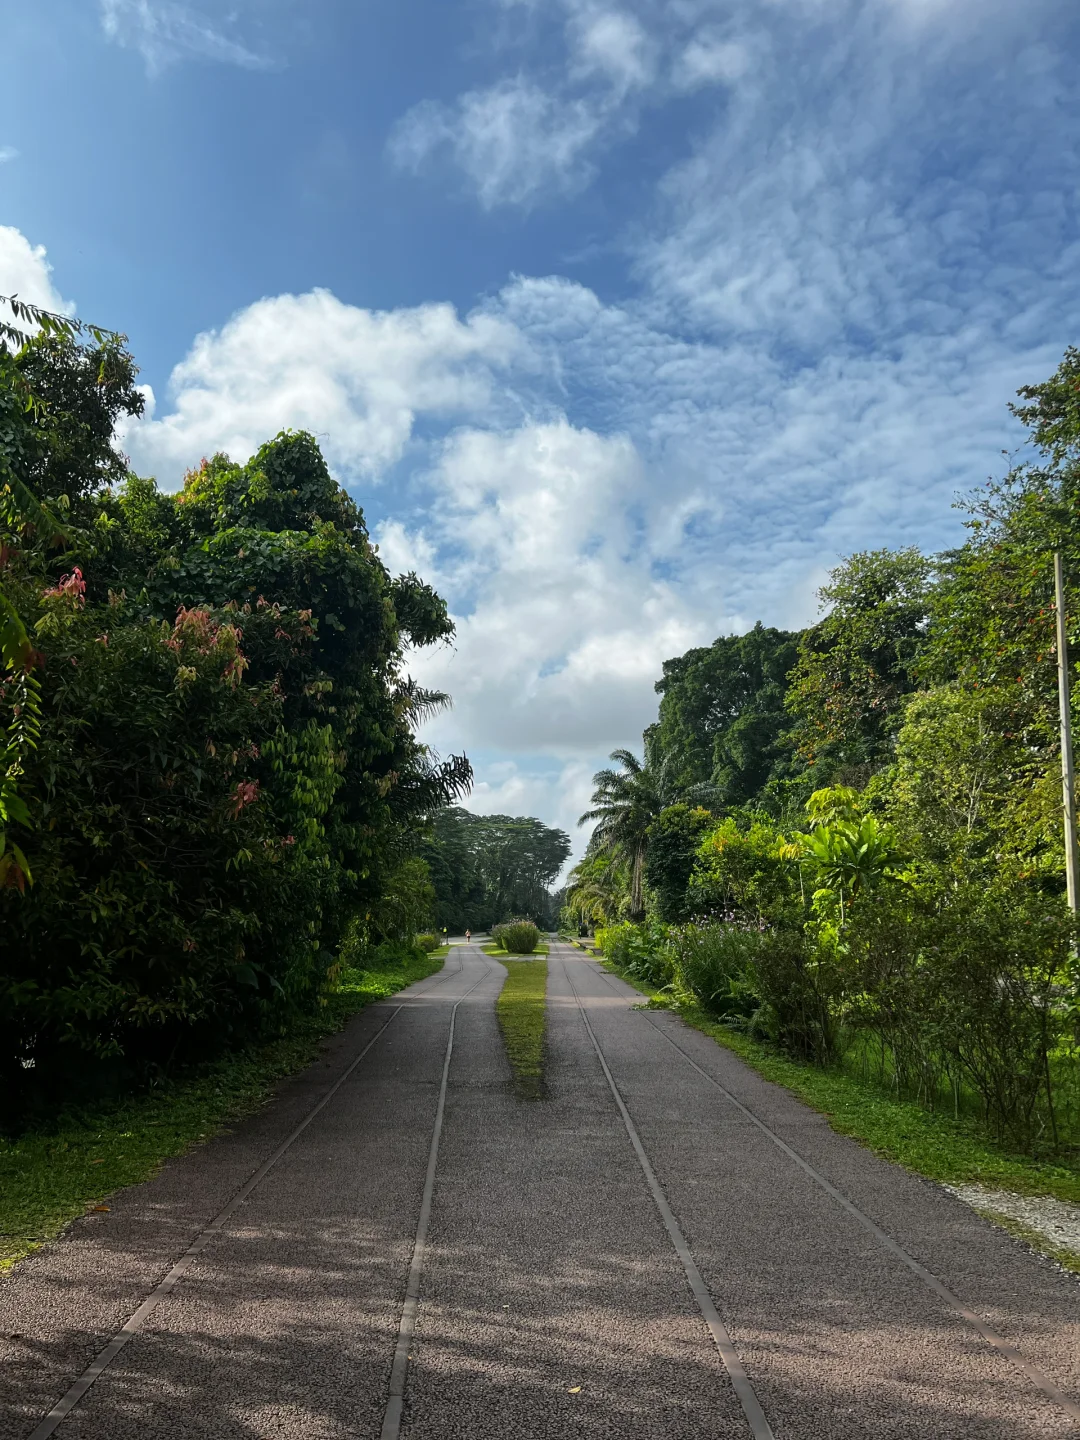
(598, 890)
(625, 804)
(228, 773)
(490, 868)
(59, 403)
(722, 714)
(674, 837)
(856, 666)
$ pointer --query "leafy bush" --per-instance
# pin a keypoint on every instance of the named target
(745, 872)
(713, 966)
(497, 934)
(641, 950)
(389, 953)
(973, 984)
(227, 772)
(521, 937)
(428, 942)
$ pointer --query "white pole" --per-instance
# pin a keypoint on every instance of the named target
(1068, 787)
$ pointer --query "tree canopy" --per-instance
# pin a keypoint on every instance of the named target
(491, 868)
(227, 779)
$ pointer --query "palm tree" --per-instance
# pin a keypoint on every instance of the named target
(625, 803)
(596, 888)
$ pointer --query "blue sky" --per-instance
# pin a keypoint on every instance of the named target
(623, 319)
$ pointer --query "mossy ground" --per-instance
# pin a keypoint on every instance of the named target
(522, 1012)
(51, 1175)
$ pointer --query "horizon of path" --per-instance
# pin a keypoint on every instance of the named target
(664, 1245)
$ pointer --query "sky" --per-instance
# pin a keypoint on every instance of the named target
(624, 320)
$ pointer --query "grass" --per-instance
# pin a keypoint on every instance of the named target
(48, 1177)
(930, 1143)
(500, 954)
(522, 1011)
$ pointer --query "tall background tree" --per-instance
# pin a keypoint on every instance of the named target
(491, 868)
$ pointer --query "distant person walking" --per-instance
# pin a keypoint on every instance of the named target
(468, 937)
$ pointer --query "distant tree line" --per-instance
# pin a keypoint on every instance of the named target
(486, 869)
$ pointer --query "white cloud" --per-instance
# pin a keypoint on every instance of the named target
(562, 623)
(525, 139)
(514, 141)
(24, 271)
(710, 59)
(612, 44)
(164, 31)
(357, 378)
(8, 152)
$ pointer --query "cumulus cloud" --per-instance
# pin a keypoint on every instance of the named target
(562, 622)
(165, 31)
(357, 378)
(25, 271)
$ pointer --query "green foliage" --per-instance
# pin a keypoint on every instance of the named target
(723, 717)
(598, 890)
(640, 950)
(520, 937)
(857, 664)
(674, 837)
(228, 785)
(967, 789)
(428, 941)
(487, 867)
(743, 872)
(626, 802)
(969, 984)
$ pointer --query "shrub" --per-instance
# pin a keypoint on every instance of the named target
(638, 949)
(497, 933)
(428, 942)
(969, 982)
(521, 937)
(745, 872)
(713, 966)
(393, 952)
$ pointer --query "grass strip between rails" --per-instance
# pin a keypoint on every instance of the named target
(48, 1177)
(522, 1011)
(953, 1152)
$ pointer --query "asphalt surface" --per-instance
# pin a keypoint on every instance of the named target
(552, 1299)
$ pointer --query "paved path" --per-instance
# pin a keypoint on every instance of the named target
(552, 1298)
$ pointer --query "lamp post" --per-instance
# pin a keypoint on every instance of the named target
(1072, 861)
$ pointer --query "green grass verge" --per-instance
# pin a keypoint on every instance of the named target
(522, 1011)
(49, 1177)
(953, 1152)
